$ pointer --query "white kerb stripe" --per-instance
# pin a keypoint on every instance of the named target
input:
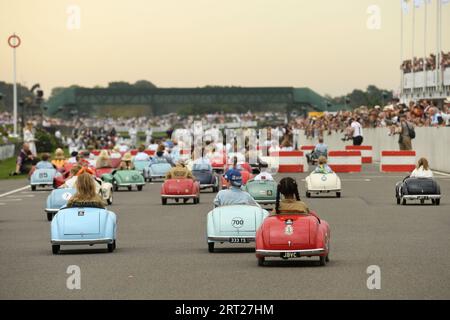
(398, 160)
(344, 160)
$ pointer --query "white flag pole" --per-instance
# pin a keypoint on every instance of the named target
(14, 93)
(412, 47)
(402, 74)
(425, 48)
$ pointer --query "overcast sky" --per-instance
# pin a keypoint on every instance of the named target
(331, 46)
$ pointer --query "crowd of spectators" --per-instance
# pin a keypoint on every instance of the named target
(418, 64)
(420, 114)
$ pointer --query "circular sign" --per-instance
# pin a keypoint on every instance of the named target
(237, 222)
(324, 178)
(14, 41)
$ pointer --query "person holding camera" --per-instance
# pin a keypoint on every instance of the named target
(356, 132)
(406, 132)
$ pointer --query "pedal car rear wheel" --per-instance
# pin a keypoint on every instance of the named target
(163, 201)
(338, 194)
(322, 260)
(308, 194)
(112, 246)
(49, 216)
(211, 247)
(55, 248)
(437, 202)
(129, 188)
(33, 188)
(139, 187)
(261, 261)
(110, 199)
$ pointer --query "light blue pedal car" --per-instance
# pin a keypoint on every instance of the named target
(158, 170)
(42, 178)
(56, 200)
(233, 224)
(144, 167)
(83, 226)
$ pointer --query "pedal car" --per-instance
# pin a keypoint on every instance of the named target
(180, 189)
(233, 224)
(125, 178)
(323, 183)
(101, 171)
(263, 191)
(80, 226)
(292, 235)
(43, 178)
(56, 200)
(418, 189)
(218, 162)
(158, 170)
(144, 167)
(205, 175)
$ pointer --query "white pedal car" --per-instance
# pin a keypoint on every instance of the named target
(317, 183)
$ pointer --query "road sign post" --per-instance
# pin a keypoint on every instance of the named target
(14, 41)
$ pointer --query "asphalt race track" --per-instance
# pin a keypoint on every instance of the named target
(162, 252)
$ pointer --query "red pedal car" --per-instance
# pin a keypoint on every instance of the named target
(180, 189)
(290, 236)
(218, 162)
(101, 171)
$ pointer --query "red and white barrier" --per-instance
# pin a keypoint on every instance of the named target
(366, 152)
(345, 161)
(307, 148)
(149, 152)
(397, 161)
(290, 161)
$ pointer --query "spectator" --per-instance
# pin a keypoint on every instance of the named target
(356, 132)
(25, 161)
(28, 137)
(405, 132)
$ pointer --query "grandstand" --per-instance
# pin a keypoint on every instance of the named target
(157, 101)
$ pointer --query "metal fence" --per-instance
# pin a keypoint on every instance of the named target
(7, 151)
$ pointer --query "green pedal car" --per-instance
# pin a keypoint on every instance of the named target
(125, 179)
(263, 191)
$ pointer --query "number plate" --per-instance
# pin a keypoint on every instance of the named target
(289, 255)
(238, 240)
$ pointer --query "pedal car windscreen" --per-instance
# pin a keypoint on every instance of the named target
(81, 221)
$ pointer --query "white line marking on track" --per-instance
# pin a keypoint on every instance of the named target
(13, 191)
(14, 199)
(22, 195)
(442, 173)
